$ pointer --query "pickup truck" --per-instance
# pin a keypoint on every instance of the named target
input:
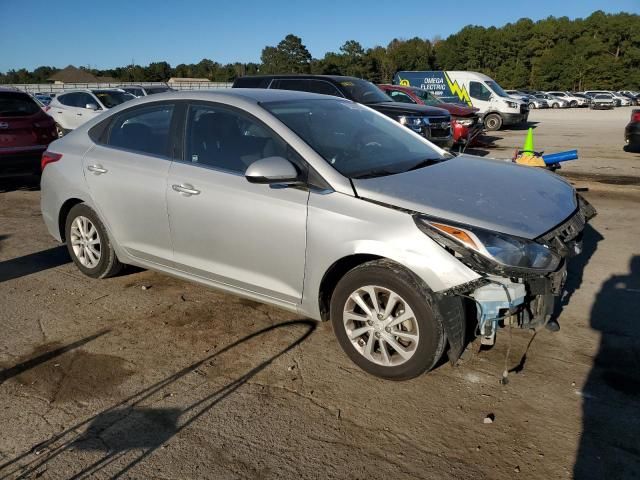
(431, 122)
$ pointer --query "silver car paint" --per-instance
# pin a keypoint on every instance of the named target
(263, 263)
(492, 194)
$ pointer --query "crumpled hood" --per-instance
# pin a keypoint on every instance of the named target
(491, 194)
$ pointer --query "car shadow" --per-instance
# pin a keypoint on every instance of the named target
(609, 444)
(33, 263)
(23, 182)
(134, 428)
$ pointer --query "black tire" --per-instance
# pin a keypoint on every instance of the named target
(493, 122)
(389, 275)
(532, 106)
(555, 105)
(61, 132)
(573, 104)
(108, 264)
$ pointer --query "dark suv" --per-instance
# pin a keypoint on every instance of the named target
(25, 133)
(432, 122)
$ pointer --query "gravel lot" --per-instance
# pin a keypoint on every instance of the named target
(146, 376)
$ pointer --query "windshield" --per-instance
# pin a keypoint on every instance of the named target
(353, 139)
(111, 98)
(427, 97)
(497, 89)
(362, 91)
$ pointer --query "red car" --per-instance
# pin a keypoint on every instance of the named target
(464, 120)
(25, 133)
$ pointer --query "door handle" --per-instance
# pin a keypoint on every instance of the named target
(185, 189)
(97, 169)
(79, 114)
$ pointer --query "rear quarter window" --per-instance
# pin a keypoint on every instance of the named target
(17, 104)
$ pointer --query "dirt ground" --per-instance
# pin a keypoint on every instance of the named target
(146, 376)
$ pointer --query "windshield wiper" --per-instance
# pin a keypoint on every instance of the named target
(375, 173)
(427, 163)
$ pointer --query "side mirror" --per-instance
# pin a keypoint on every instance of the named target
(91, 106)
(272, 170)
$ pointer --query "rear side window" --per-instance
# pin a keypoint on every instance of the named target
(17, 104)
(296, 84)
(144, 130)
(77, 99)
(153, 90)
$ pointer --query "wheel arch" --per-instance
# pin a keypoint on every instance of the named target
(333, 275)
(64, 212)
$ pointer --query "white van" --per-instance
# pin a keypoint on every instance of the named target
(475, 89)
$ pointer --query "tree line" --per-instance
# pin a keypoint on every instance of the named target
(600, 51)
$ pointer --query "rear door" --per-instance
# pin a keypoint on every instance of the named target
(127, 175)
(73, 112)
(246, 236)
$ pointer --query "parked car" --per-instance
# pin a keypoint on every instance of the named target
(573, 100)
(74, 107)
(554, 102)
(531, 100)
(496, 106)
(617, 101)
(465, 123)
(25, 133)
(602, 101)
(431, 122)
(633, 97)
(624, 100)
(321, 206)
(632, 131)
(144, 90)
(585, 98)
(44, 99)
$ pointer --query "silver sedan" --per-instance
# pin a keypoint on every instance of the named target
(320, 206)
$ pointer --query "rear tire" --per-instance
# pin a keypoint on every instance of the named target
(89, 245)
(61, 132)
(532, 106)
(493, 122)
(367, 306)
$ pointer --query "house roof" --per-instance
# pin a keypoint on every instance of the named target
(72, 74)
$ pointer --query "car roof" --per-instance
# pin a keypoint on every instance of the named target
(335, 78)
(253, 95)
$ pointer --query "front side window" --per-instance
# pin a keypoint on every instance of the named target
(226, 139)
(478, 91)
(355, 140)
(144, 130)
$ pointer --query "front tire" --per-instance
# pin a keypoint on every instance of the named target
(532, 106)
(382, 317)
(555, 105)
(89, 245)
(493, 122)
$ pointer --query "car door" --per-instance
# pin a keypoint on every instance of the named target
(480, 95)
(250, 237)
(127, 176)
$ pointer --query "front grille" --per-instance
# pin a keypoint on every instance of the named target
(439, 127)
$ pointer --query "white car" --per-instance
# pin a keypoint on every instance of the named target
(72, 108)
(619, 99)
(573, 100)
(554, 102)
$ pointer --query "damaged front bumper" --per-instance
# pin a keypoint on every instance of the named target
(514, 296)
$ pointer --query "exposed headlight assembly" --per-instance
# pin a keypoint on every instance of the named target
(491, 251)
(466, 122)
(512, 105)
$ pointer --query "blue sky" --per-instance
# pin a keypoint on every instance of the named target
(109, 34)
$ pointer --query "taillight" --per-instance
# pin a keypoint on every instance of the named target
(635, 116)
(49, 157)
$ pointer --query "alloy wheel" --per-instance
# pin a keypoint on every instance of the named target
(85, 242)
(381, 325)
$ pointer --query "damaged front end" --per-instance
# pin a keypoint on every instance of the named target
(520, 278)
